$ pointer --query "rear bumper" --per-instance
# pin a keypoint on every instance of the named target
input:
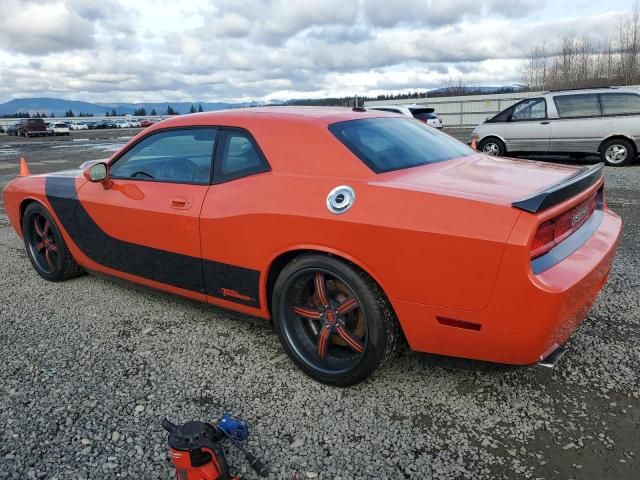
(528, 314)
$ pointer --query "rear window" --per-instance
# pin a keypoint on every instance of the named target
(573, 106)
(386, 144)
(424, 114)
(620, 103)
(392, 110)
(35, 121)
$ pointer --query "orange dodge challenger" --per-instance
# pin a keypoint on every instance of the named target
(347, 228)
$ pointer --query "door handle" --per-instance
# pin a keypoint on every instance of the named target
(181, 203)
(544, 123)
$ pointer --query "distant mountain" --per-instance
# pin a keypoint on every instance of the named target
(59, 106)
(56, 106)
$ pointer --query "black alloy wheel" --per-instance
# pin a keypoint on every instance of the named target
(45, 245)
(332, 319)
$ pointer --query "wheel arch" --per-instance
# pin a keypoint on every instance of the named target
(24, 203)
(619, 136)
(283, 258)
(495, 137)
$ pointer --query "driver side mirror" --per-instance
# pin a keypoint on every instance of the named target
(98, 173)
(510, 117)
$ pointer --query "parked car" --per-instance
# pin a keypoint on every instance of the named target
(13, 129)
(390, 221)
(134, 123)
(79, 126)
(32, 127)
(122, 124)
(146, 123)
(105, 124)
(422, 113)
(602, 121)
(58, 128)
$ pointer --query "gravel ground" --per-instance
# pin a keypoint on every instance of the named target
(90, 367)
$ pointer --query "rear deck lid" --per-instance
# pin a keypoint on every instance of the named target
(504, 180)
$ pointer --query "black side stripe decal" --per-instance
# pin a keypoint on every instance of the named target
(229, 282)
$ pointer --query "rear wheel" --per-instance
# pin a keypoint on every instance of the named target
(493, 147)
(617, 152)
(333, 320)
(45, 246)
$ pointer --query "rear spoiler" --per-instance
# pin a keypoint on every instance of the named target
(563, 190)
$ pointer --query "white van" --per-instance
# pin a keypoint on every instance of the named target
(601, 121)
(424, 114)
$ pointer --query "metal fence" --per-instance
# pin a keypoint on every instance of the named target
(463, 111)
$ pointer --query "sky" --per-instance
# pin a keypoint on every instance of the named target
(244, 50)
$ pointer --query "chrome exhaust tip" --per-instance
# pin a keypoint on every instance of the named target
(551, 357)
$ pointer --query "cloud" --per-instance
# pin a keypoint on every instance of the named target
(40, 28)
(35, 27)
(438, 13)
(148, 50)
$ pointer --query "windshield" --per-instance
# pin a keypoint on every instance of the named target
(386, 144)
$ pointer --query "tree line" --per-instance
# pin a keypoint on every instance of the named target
(140, 112)
(581, 62)
(67, 114)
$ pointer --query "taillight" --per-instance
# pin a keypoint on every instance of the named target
(554, 231)
(543, 241)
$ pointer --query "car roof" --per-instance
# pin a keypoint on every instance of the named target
(295, 140)
(582, 91)
(321, 115)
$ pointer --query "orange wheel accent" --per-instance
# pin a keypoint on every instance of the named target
(321, 289)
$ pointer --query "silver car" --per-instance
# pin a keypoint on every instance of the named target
(602, 121)
(422, 113)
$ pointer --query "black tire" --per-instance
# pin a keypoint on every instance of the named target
(492, 146)
(41, 237)
(617, 152)
(356, 342)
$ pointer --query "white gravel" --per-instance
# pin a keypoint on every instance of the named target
(90, 367)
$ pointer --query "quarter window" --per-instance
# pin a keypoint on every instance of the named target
(237, 156)
(576, 106)
(620, 103)
(530, 109)
(174, 156)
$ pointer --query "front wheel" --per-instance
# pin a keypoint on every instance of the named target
(493, 147)
(45, 246)
(333, 320)
(617, 152)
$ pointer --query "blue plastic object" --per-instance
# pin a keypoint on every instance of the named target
(236, 429)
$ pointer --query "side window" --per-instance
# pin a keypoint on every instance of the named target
(530, 109)
(173, 156)
(620, 103)
(576, 106)
(237, 156)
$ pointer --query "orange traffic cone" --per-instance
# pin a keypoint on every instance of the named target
(24, 168)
